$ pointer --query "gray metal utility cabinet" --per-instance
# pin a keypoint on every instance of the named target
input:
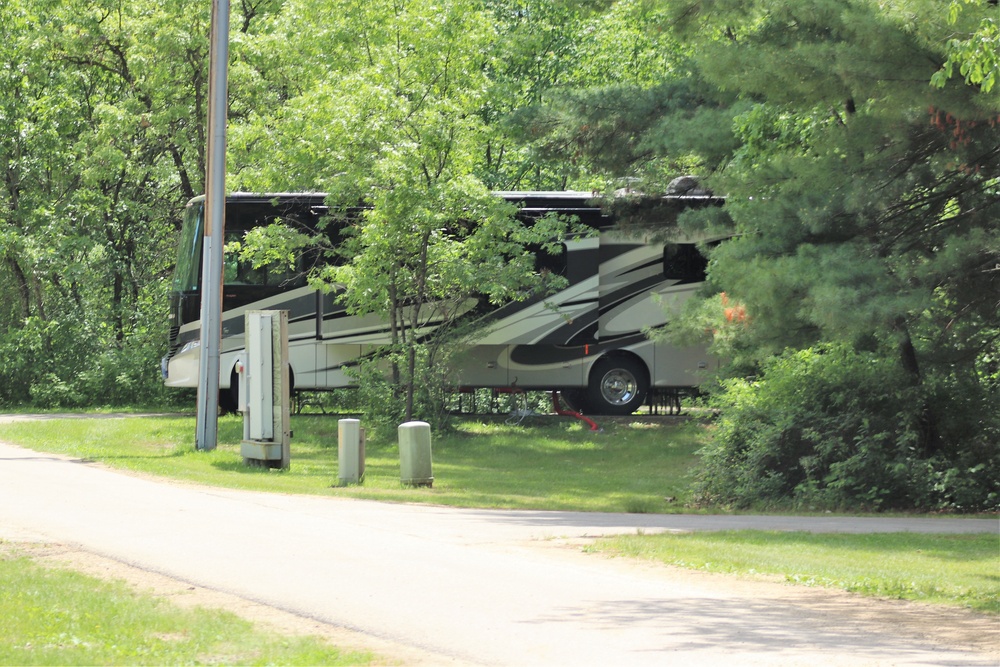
(264, 390)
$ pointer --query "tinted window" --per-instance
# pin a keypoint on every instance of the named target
(237, 271)
(187, 273)
(547, 262)
(683, 262)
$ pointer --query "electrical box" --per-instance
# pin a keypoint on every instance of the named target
(264, 394)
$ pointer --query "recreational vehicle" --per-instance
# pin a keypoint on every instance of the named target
(588, 340)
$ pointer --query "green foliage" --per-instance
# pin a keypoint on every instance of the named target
(384, 401)
(863, 214)
(101, 143)
(829, 427)
(276, 246)
(976, 53)
(407, 103)
(546, 52)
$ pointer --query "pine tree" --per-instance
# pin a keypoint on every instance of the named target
(863, 202)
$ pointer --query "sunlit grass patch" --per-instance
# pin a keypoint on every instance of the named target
(60, 617)
(544, 463)
(953, 569)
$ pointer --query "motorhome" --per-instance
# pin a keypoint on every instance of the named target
(588, 340)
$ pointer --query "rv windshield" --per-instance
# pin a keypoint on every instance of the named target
(188, 268)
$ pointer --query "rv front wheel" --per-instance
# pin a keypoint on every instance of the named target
(618, 386)
(229, 399)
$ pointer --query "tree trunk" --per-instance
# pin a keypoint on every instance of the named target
(117, 308)
(930, 438)
(411, 369)
(395, 332)
(23, 289)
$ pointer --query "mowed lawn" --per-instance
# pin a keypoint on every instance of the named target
(631, 465)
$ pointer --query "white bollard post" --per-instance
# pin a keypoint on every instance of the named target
(350, 451)
(415, 454)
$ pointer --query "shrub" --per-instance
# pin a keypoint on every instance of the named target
(63, 364)
(832, 427)
(383, 402)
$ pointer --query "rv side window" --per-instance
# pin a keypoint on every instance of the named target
(547, 262)
(683, 262)
(338, 229)
(237, 271)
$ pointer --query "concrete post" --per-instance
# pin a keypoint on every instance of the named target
(415, 454)
(350, 451)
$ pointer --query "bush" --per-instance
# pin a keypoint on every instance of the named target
(384, 403)
(831, 427)
(63, 364)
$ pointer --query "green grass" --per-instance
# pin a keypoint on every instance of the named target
(59, 617)
(550, 464)
(959, 570)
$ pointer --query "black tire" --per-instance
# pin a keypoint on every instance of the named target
(617, 386)
(229, 399)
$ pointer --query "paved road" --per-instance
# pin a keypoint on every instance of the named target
(469, 587)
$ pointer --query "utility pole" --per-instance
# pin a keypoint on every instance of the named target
(207, 429)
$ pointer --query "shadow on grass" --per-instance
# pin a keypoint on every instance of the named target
(177, 453)
(243, 468)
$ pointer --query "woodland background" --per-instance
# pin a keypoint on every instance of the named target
(857, 143)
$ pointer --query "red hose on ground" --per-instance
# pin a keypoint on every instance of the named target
(569, 413)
